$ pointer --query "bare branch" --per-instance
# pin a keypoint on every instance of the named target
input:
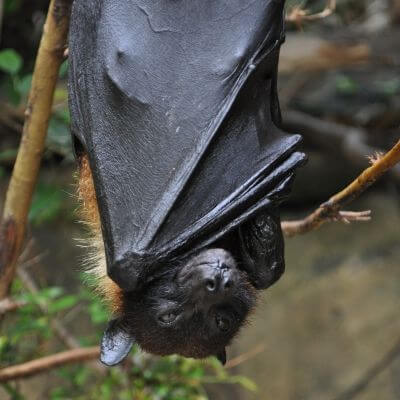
(352, 216)
(298, 15)
(234, 362)
(37, 114)
(46, 363)
(56, 325)
(8, 305)
(330, 210)
(371, 373)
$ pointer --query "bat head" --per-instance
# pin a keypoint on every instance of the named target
(193, 308)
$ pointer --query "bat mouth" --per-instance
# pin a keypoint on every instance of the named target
(167, 319)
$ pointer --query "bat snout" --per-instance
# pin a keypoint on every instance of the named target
(212, 274)
(218, 280)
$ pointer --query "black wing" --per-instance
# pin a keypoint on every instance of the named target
(175, 103)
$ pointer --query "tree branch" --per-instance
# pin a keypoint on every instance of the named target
(298, 15)
(240, 359)
(56, 325)
(37, 114)
(8, 305)
(330, 210)
(371, 373)
(46, 363)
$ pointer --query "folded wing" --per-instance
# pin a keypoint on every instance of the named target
(175, 103)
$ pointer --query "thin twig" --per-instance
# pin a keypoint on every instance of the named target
(234, 362)
(298, 15)
(9, 305)
(56, 325)
(331, 209)
(32, 261)
(370, 374)
(46, 363)
(37, 114)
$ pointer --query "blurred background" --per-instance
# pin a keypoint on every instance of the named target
(330, 329)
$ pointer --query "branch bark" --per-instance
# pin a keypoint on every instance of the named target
(240, 359)
(37, 114)
(46, 363)
(8, 305)
(330, 210)
(298, 15)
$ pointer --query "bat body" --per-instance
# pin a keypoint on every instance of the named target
(175, 120)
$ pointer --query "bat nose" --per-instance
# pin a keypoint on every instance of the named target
(219, 281)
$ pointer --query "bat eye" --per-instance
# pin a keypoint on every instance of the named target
(222, 323)
(168, 318)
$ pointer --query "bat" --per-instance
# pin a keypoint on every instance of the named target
(176, 122)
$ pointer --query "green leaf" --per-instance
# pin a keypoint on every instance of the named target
(346, 85)
(8, 155)
(390, 87)
(63, 69)
(47, 204)
(60, 95)
(51, 292)
(162, 390)
(7, 88)
(244, 382)
(98, 312)
(3, 343)
(10, 61)
(58, 393)
(197, 372)
(43, 296)
(62, 304)
(82, 374)
(11, 6)
(23, 85)
(27, 326)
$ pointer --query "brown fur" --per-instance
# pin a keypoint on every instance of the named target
(90, 217)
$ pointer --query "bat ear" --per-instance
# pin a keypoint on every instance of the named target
(115, 344)
(222, 356)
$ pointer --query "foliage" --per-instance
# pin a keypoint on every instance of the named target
(15, 86)
(27, 334)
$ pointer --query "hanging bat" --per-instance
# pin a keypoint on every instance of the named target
(176, 127)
